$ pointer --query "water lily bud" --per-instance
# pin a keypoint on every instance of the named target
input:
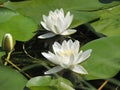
(7, 42)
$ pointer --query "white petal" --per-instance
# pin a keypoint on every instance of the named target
(54, 29)
(64, 45)
(71, 60)
(51, 57)
(57, 11)
(77, 57)
(49, 23)
(51, 13)
(76, 46)
(61, 11)
(60, 25)
(84, 56)
(45, 26)
(68, 20)
(68, 32)
(60, 58)
(79, 69)
(69, 44)
(66, 61)
(54, 70)
(47, 35)
(44, 18)
(56, 47)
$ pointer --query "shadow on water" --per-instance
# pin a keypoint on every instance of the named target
(107, 1)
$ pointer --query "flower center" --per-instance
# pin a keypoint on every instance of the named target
(67, 53)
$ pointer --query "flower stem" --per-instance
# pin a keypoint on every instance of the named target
(7, 59)
(40, 62)
(15, 66)
(104, 83)
(80, 78)
(18, 68)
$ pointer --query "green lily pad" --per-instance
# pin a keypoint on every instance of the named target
(83, 10)
(1, 54)
(6, 14)
(109, 23)
(19, 26)
(47, 83)
(11, 79)
(2, 1)
(104, 61)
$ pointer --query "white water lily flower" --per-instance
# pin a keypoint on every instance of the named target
(57, 23)
(67, 56)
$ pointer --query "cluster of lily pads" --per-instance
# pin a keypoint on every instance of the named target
(66, 55)
(62, 54)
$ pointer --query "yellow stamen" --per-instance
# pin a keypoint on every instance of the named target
(66, 53)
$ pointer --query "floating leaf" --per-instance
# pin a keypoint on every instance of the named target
(2, 1)
(19, 26)
(6, 14)
(47, 83)
(11, 79)
(104, 61)
(82, 12)
(109, 23)
(1, 54)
